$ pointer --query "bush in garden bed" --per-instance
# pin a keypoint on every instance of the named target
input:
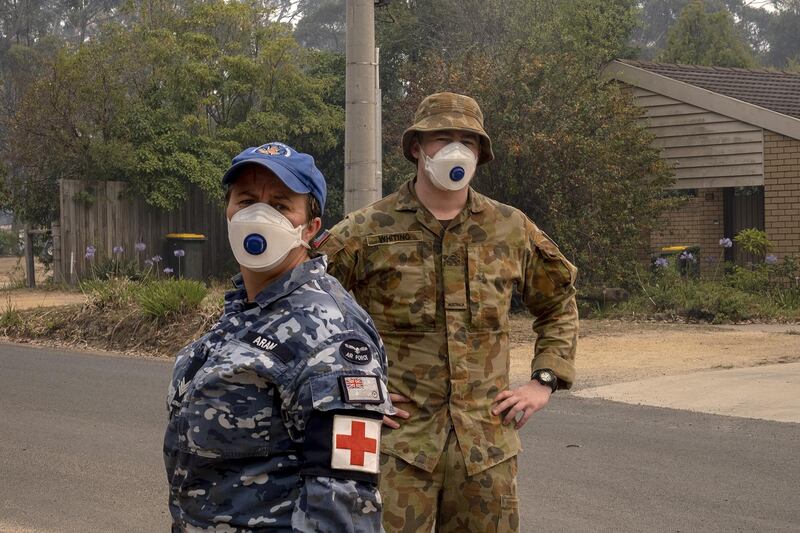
(166, 298)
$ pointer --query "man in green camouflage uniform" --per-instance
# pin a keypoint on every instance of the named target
(435, 269)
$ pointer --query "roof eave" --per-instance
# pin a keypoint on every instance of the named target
(710, 100)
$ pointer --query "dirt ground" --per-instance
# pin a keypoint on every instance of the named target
(25, 299)
(12, 271)
(615, 352)
(12, 275)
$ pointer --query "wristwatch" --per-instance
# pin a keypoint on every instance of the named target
(546, 377)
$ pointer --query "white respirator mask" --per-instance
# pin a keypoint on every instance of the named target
(452, 168)
(261, 237)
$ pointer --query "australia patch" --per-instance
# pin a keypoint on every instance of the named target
(361, 389)
(321, 238)
(355, 351)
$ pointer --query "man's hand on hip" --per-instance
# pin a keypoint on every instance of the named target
(396, 398)
(526, 399)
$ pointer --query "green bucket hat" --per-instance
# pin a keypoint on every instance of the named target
(449, 111)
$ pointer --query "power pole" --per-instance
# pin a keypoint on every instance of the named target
(378, 128)
(360, 149)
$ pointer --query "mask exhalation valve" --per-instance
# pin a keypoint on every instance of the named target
(255, 244)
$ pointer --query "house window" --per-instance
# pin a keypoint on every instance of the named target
(680, 193)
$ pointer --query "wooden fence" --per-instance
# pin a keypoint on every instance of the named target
(103, 214)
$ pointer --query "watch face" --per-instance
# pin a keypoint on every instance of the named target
(547, 377)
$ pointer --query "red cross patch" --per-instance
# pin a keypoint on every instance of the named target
(356, 443)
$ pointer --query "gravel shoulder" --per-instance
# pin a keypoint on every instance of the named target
(609, 351)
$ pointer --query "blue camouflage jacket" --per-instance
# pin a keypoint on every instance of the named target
(275, 413)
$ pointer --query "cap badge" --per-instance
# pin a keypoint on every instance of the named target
(274, 149)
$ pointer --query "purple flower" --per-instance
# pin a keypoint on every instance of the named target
(140, 247)
(662, 262)
(156, 259)
(148, 262)
(91, 249)
(179, 253)
(725, 242)
(118, 249)
(687, 256)
(168, 270)
(89, 255)
(770, 259)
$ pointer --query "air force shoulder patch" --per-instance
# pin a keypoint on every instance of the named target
(356, 351)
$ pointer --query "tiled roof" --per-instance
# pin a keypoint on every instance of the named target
(771, 89)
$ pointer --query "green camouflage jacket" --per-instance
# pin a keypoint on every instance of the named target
(440, 299)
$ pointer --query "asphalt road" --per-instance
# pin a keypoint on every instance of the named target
(80, 450)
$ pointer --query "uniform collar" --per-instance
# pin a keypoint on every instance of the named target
(407, 198)
(300, 275)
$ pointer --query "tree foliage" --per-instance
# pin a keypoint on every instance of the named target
(165, 105)
(322, 25)
(162, 93)
(752, 23)
(569, 149)
(784, 28)
(703, 38)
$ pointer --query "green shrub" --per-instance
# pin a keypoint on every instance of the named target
(162, 299)
(9, 243)
(666, 293)
(753, 241)
(714, 302)
(753, 281)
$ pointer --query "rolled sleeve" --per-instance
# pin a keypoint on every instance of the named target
(549, 294)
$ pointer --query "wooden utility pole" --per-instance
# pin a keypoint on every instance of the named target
(360, 147)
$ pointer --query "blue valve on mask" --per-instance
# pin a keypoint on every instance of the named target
(457, 173)
(255, 244)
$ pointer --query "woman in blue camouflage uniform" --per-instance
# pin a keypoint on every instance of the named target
(275, 413)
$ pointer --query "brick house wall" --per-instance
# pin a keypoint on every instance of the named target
(698, 222)
(782, 193)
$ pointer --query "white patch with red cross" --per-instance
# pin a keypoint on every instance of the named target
(356, 443)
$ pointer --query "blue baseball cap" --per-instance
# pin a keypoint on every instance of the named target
(295, 169)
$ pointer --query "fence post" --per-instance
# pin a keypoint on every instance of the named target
(30, 272)
(58, 261)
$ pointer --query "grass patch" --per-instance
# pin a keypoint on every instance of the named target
(115, 293)
(10, 317)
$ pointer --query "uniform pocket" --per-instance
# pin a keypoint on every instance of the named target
(509, 515)
(508, 521)
(228, 411)
(493, 270)
(400, 285)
